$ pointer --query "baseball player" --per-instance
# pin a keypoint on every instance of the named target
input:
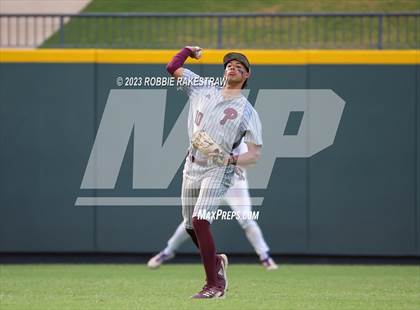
(238, 199)
(219, 118)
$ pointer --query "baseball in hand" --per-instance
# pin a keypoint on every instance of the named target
(196, 51)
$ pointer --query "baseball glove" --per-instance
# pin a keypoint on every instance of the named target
(202, 142)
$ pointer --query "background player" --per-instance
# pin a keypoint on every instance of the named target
(226, 116)
(238, 199)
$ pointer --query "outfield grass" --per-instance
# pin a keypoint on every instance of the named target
(251, 287)
(259, 32)
(261, 6)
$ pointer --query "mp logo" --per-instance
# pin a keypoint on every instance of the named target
(296, 124)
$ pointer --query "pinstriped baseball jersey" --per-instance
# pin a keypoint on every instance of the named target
(228, 120)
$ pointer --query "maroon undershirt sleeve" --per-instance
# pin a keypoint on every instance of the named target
(178, 60)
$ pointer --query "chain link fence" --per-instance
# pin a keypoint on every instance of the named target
(213, 30)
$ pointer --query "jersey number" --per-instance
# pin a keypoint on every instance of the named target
(198, 118)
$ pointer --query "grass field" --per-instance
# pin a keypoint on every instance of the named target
(260, 6)
(251, 287)
(258, 32)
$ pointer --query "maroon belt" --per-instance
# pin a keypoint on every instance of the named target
(194, 160)
(203, 163)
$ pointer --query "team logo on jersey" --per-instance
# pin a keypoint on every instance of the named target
(230, 113)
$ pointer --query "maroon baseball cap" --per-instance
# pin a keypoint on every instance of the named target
(236, 56)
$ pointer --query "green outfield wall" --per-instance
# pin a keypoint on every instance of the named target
(360, 196)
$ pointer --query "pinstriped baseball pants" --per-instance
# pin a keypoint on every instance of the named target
(201, 194)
